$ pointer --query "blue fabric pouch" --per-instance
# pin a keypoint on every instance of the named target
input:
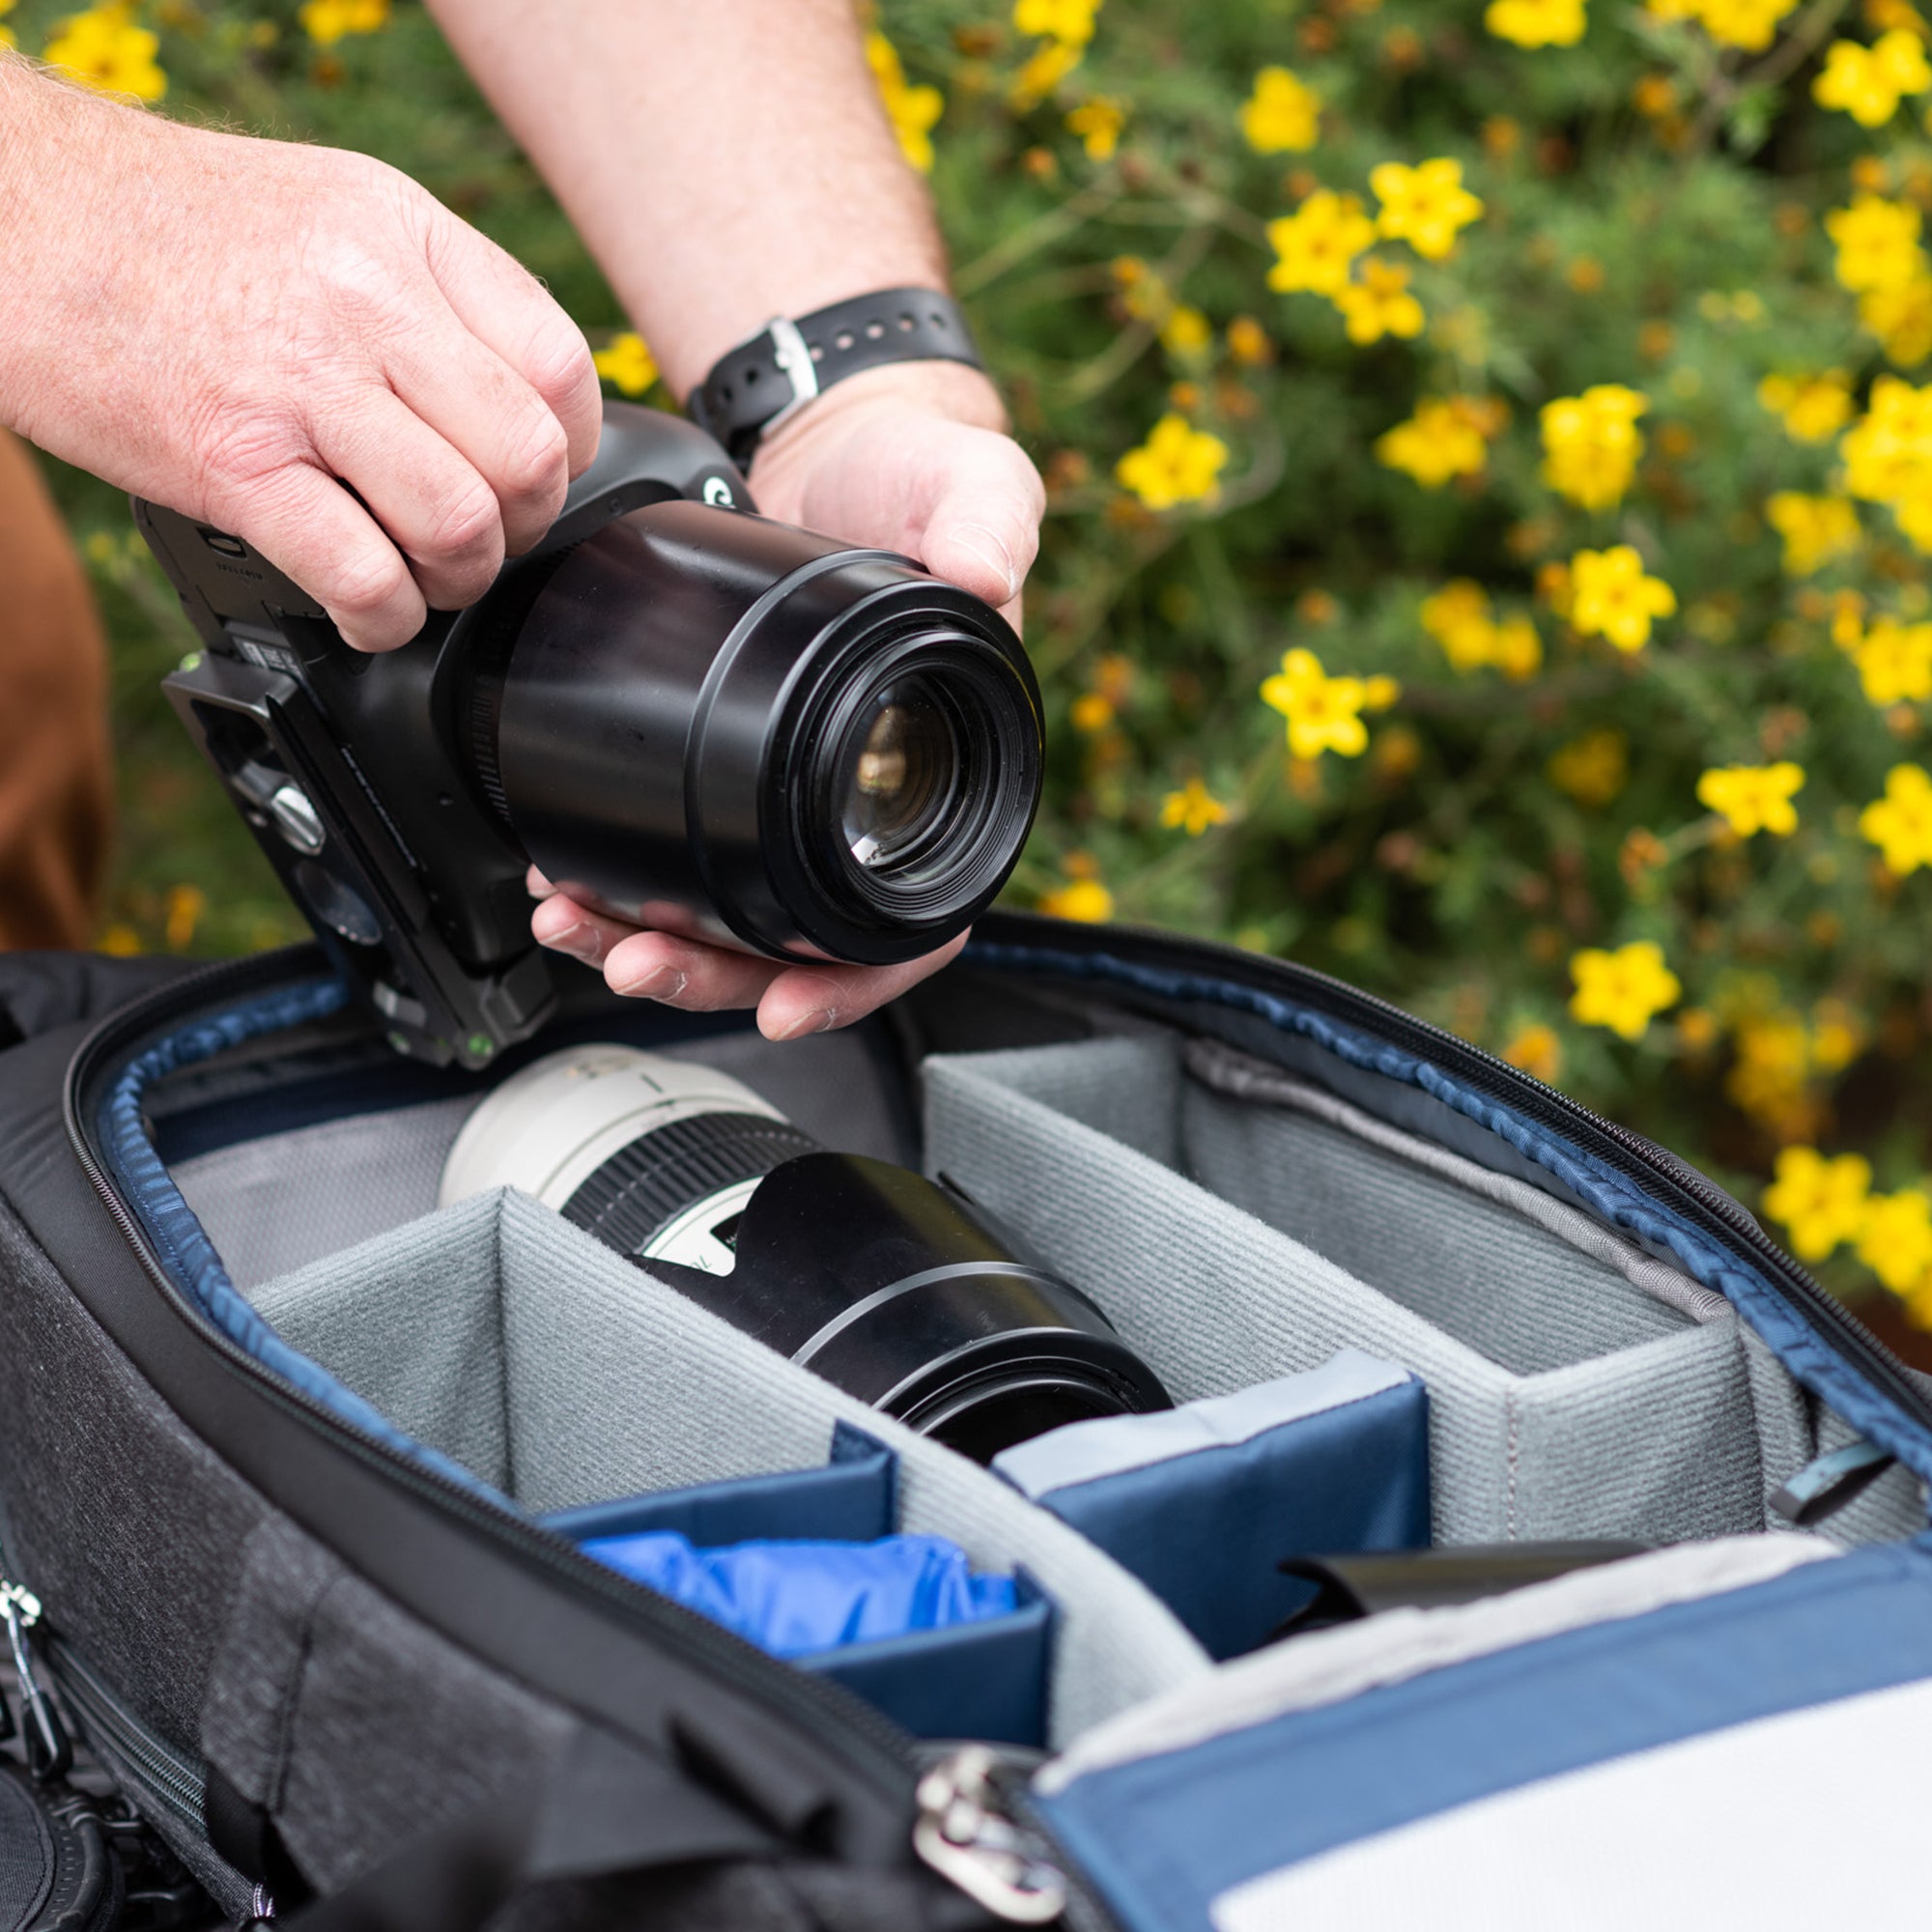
(1203, 1501)
(807, 1565)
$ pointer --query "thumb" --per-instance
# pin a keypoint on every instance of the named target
(982, 532)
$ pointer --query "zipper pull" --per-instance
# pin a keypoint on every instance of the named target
(48, 1750)
(969, 1836)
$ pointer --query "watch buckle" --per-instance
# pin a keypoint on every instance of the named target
(793, 358)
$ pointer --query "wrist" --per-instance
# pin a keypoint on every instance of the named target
(947, 389)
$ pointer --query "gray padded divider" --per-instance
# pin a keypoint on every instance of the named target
(1633, 1421)
(605, 1382)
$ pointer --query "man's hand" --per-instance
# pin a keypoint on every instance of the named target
(240, 329)
(910, 459)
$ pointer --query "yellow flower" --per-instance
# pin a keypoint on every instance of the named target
(1457, 617)
(1814, 408)
(1895, 1240)
(1099, 123)
(1248, 342)
(1379, 303)
(184, 908)
(1591, 443)
(6, 34)
(1900, 316)
(1044, 69)
(1283, 115)
(1536, 24)
(1092, 711)
(1815, 529)
(1894, 662)
(1900, 823)
(1868, 82)
(1877, 242)
(1888, 451)
(1515, 650)
(104, 49)
(1084, 900)
(1622, 989)
(1754, 798)
(912, 110)
(328, 21)
(627, 364)
(1614, 599)
(1536, 1049)
(1316, 246)
(1186, 331)
(1193, 807)
(1178, 464)
(1068, 21)
(1751, 25)
(1437, 443)
(1818, 1202)
(121, 942)
(1423, 206)
(1323, 713)
(1592, 769)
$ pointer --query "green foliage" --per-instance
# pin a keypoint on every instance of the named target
(1654, 207)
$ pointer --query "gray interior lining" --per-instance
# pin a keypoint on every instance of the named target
(503, 1336)
(276, 1203)
(1565, 1401)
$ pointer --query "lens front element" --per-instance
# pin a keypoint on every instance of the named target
(901, 780)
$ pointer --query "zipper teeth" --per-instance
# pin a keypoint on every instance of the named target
(177, 1780)
(799, 1697)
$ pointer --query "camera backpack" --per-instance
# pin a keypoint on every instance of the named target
(297, 1470)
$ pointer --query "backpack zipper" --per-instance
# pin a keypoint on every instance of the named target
(50, 1750)
(169, 1777)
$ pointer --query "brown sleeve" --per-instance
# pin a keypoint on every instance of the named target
(56, 774)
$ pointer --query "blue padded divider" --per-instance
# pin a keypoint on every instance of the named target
(1610, 1193)
(851, 1499)
(979, 1680)
(1203, 1502)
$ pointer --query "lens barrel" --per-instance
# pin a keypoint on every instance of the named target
(879, 1280)
(722, 725)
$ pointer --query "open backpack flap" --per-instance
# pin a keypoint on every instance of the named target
(298, 1472)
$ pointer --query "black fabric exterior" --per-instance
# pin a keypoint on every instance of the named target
(746, 388)
(448, 1568)
(39, 991)
(243, 1832)
(26, 1855)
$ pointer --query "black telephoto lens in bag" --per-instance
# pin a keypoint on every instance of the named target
(881, 1280)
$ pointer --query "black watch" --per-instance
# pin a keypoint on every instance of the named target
(757, 384)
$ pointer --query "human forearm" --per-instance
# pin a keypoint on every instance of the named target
(726, 160)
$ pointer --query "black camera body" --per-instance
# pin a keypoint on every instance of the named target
(682, 712)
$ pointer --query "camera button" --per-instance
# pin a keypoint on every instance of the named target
(297, 819)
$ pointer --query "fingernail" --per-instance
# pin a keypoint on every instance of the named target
(816, 1019)
(993, 553)
(579, 941)
(661, 982)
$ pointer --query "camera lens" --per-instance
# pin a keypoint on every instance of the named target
(875, 1277)
(900, 777)
(714, 723)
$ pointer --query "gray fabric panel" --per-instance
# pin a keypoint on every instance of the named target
(396, 1730)
(1890, 1510)
(618, 1384)
(273, 1205)
(415, 1326)
(251, 1692)
(1216, 1300)
(1786, 1433)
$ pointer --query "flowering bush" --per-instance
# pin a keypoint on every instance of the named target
(1489, 454)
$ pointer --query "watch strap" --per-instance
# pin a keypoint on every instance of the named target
(755, 387)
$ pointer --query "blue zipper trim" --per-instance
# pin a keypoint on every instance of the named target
(1610, 1193)
(182, 1244)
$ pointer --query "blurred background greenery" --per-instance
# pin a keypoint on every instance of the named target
(1488, 488)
